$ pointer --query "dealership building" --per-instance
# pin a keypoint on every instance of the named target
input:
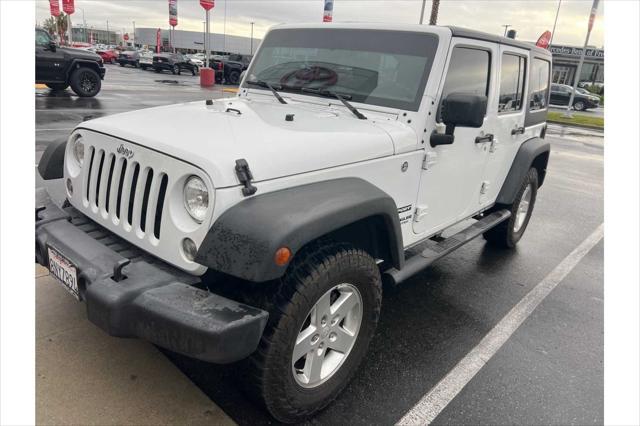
(565, 64)
(190, 41)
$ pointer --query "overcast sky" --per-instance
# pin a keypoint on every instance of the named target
(529, 17)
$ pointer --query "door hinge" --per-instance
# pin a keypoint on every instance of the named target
(484, 187)
(421, 212)
(430, 158)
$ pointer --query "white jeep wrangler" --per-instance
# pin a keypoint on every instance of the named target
(348, 153)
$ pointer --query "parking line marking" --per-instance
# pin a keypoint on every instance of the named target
(432, 404)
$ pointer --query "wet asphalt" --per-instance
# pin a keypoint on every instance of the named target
(549, 372)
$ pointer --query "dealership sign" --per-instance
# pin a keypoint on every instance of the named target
(55, 7)
(207, 4)
(576, 51)
(68, 6)
(173, 12)
(328, 11)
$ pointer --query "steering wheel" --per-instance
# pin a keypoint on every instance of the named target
(326, 76)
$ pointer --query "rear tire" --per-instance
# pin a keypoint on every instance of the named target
(579, 106)
(508, 233)
(175, 70)
(318, 278)
(85, 82)
(57, 86)
(234, 77)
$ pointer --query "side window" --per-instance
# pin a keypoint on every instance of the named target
(468, 72)
(538, 84)
(511, 83)
(42, 38)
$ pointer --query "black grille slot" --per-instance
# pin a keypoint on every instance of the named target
(132, 194)
(160, 205)
(88, 190)
(145, 200)
(120, 185)
(111, 167)
(99, 177)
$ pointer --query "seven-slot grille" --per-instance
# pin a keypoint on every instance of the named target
(125, 191)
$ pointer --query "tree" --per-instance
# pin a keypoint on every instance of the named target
(56, 25)
(435, 5)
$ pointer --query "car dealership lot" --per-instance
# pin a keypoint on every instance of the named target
(549, 371)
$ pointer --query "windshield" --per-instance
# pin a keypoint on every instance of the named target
(378, 67)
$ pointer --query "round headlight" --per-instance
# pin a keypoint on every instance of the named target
(196, 198)
(78, 150)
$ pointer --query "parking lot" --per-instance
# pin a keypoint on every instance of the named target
(549, 371)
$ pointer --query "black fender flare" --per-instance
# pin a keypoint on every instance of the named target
(533, 152)
(242, 242)
(51, 164)
(77, 63)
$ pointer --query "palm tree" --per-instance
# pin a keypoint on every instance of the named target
(435, 5)
(56, 25)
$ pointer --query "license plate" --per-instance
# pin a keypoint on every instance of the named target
(65, 271)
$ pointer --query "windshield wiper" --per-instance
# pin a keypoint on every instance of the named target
(273, 89)
(341, 98)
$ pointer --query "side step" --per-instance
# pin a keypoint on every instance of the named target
(435, 250)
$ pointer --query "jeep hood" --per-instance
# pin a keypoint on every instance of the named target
(80, 54)
(213, 137)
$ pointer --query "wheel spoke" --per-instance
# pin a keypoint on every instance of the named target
(313, 366)
(344, 304)
(321, 309)
(343, 340)
(303, 343)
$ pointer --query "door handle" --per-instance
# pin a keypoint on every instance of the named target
(486, 138)
(517, 131)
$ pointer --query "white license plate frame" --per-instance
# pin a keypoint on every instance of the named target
(64, 271)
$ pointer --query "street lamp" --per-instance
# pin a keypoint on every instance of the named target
(252, 38)
(84, 25)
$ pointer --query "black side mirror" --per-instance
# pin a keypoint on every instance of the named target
(52, 46)
(460, 109)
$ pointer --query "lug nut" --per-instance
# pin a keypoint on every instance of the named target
(323, 321)
(315, 339)
(333, 337)
(335, 320)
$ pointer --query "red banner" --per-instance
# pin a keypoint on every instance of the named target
(543, 41)
(207, 4)
(158, 41)
(55, 7)
(68, 6)
(173, 12)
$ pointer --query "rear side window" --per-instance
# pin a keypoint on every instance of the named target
(539, 84)
(512, 73)
(468, 72)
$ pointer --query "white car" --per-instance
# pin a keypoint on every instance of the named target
(146, 59)
(195, 60)
(266, 230)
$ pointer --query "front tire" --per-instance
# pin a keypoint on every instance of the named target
(579, 106)
(321, 321)
(508, 233)
(85, 82)
(175, 70)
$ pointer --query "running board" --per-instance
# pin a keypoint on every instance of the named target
(435, 250)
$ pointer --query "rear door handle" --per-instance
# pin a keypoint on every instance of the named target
(517, 131)
(486, 138)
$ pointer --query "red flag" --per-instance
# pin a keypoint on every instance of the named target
(173, 12)
(158, 41)
(207, 4)
(544, 39)
(55, 7)
(68, 6)
(328, 11)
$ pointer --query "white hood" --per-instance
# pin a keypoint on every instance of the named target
(213, 137)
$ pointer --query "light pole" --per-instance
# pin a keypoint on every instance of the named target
(108, 34)
(553, 32)
(251, 38)
(576, 78)
(506, 27)
(84, 25)
(424, 3)
(134, 33)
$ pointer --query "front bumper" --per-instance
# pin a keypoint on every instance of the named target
(153, 301)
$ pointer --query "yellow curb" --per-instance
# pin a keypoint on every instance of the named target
(230, 89)
(41, 86)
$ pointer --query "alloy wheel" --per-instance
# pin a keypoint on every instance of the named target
(523, 209)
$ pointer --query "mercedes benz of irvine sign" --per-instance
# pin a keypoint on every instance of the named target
(576, 51)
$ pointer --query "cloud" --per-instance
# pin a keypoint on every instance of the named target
(529, 18)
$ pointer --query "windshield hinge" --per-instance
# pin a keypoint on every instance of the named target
(245, 176)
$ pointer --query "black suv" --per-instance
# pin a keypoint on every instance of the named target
(174, 62)
(561, 94)
(129, 57)
(61, 67)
